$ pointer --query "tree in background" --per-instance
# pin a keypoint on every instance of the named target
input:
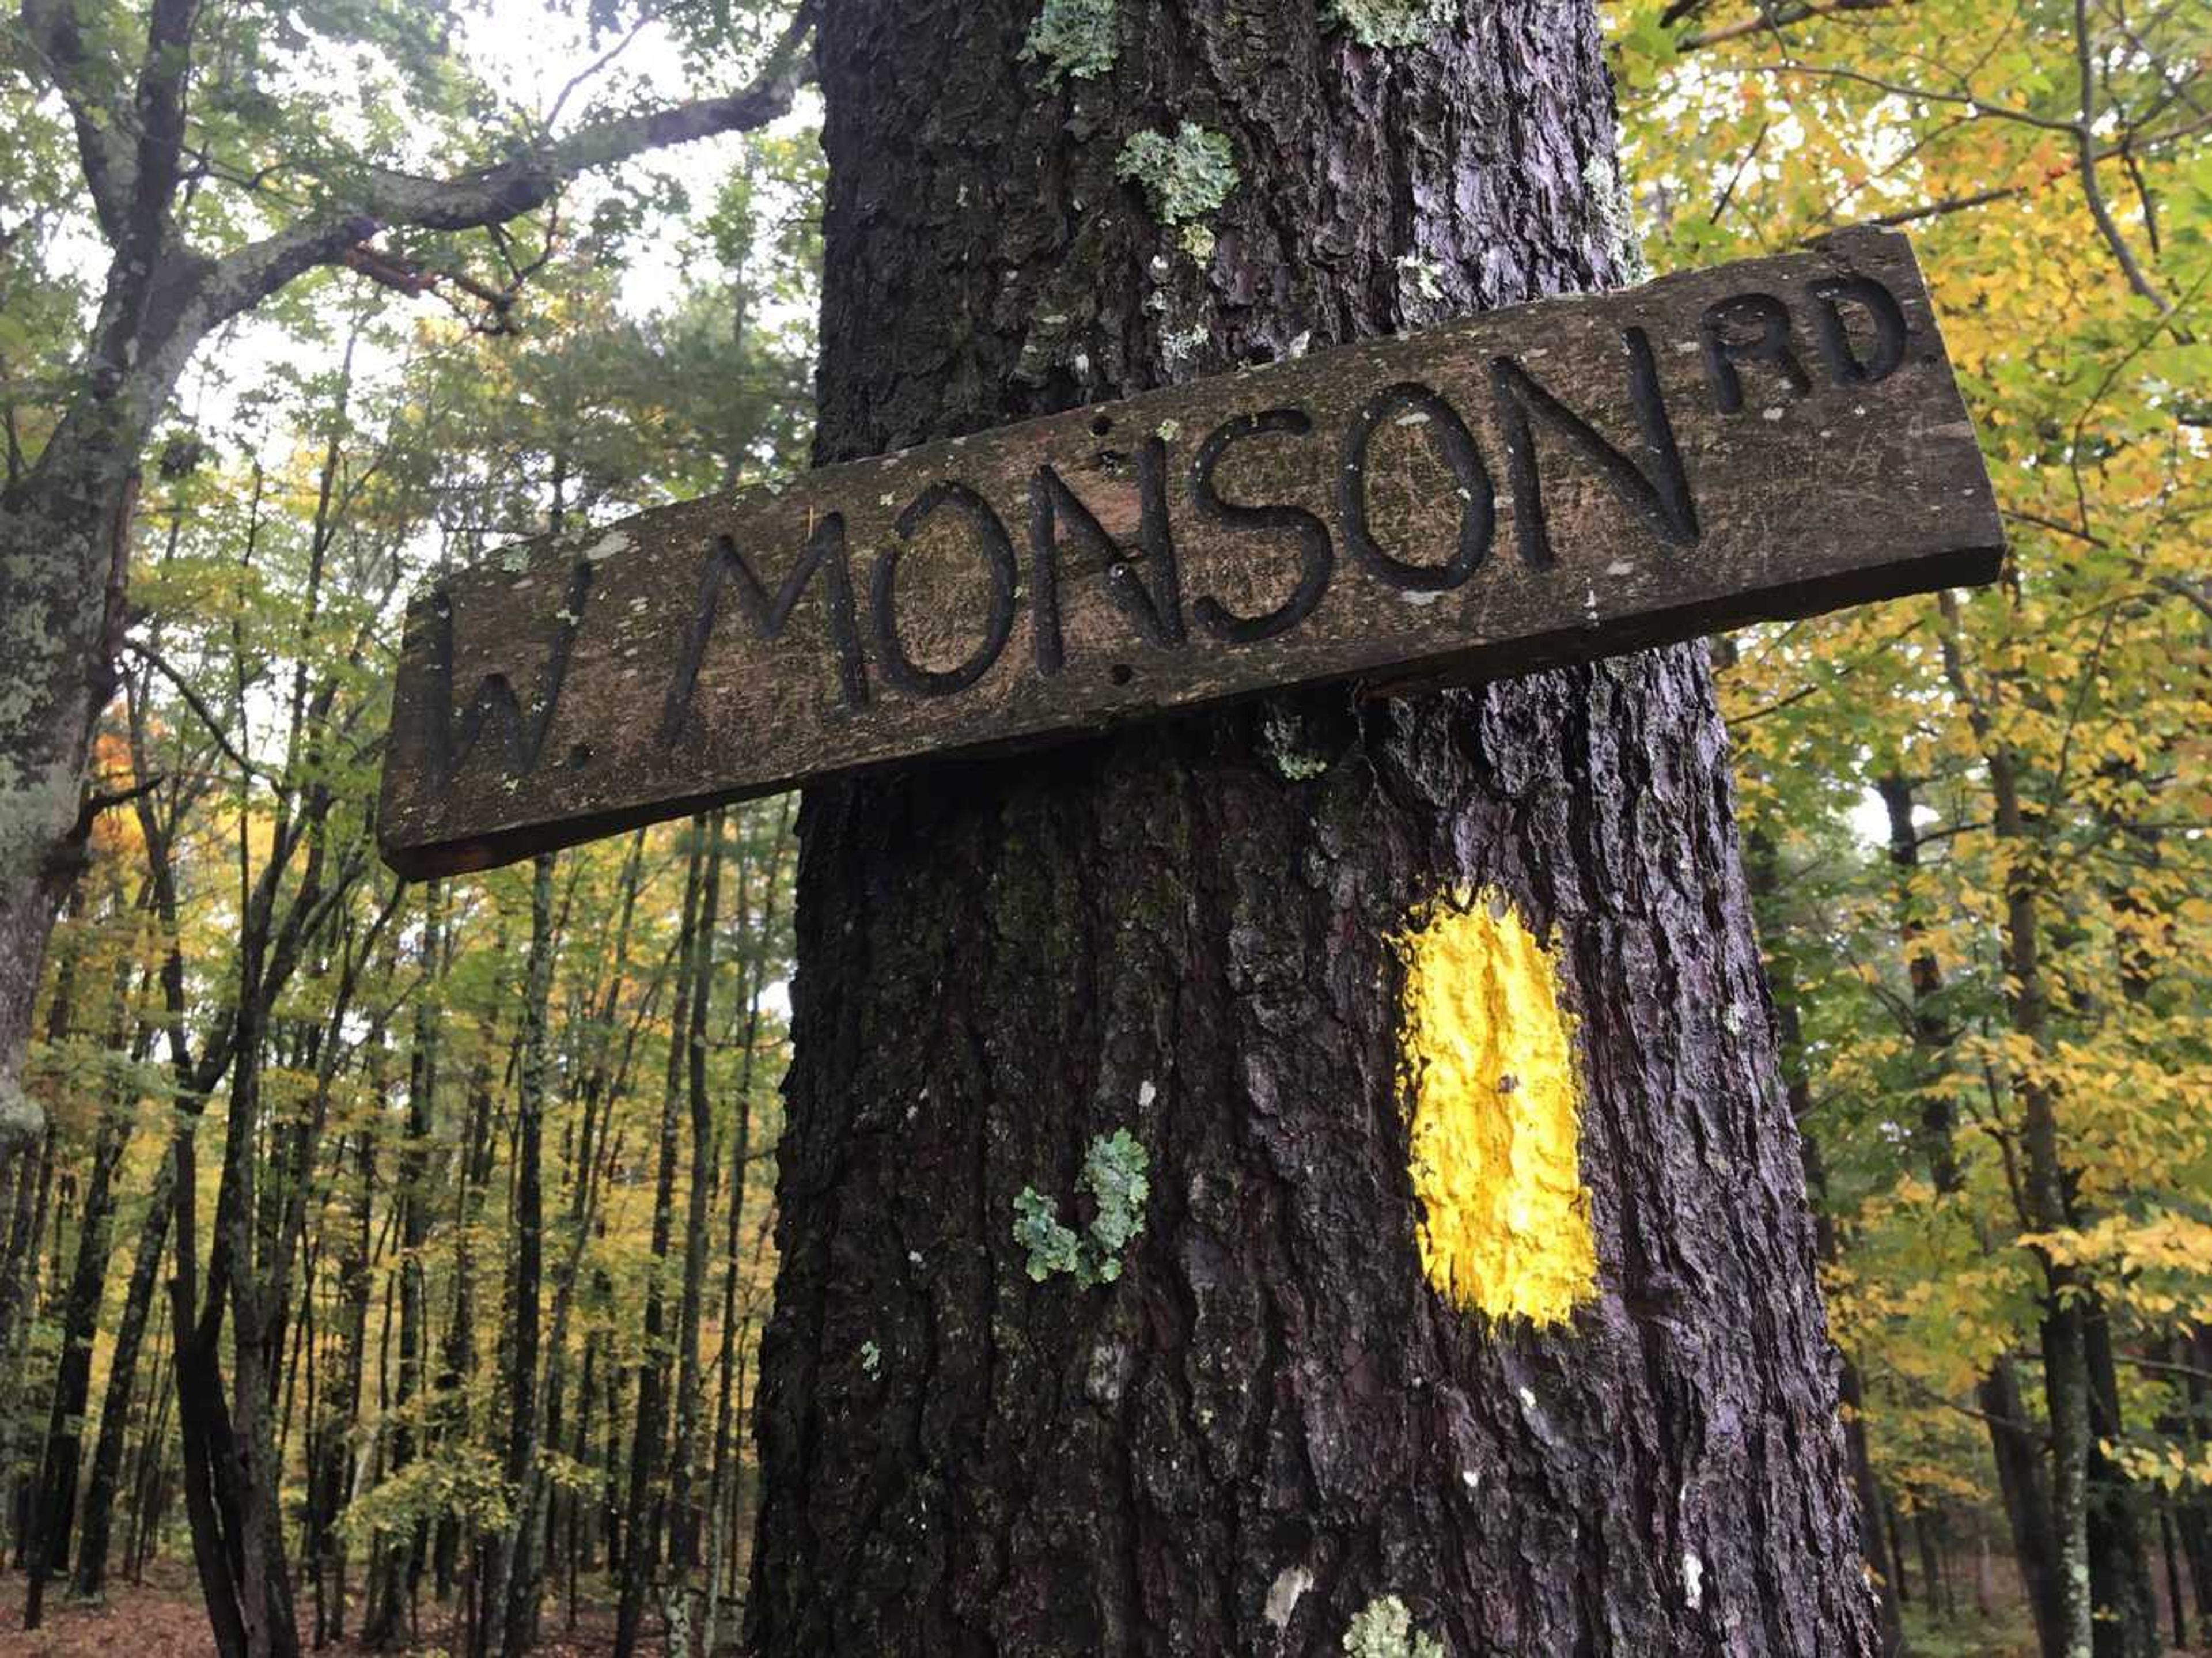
(214, 177)
(1990, 810)
(364, 1050)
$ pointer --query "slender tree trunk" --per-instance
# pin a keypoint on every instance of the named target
(73, 1373)
(2177, 1610)
(2119, 1547)
(2015, 1446)
(2065, 1340)
(513, 1594)
(90, 1579)
(726, 1542)
(31, 1310)
(389, 1613)
(641, 1532)
(331, 1466)
(685, 1514)
(1270, 1426)
(1878, 1541)
(1934, 1593)
(2193, 1506)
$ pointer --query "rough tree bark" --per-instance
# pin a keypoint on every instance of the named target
(1270, 1422)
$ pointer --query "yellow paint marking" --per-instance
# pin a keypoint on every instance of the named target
(1504, 1227)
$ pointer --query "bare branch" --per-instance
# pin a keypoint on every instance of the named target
(1781, 17)
(54, 33)
(2086, 146)
(153, 658)
(1966, 101)
(506, 189)
(1937, 209)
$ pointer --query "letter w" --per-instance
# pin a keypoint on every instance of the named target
(452, 741)
(726, 566)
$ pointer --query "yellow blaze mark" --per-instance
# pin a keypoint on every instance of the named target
(1504, 1227)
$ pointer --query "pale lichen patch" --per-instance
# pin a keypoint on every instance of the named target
(1072, 38)
(1382, 23)
(1384, 1629)
(1113, 1174)
(1284, 1593)
(1282, 740)
(1184, 177)
(1489, 1055)
(1616, 215)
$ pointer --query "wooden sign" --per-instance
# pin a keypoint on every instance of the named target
(1561, 481)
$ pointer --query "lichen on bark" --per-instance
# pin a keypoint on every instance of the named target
(1384, 1629)
(1113, 1174)
(1072, 38)
(1384, 23)
(1185, 177)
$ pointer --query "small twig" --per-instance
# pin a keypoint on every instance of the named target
(153, 658)
(2085, 141)
(106, 800)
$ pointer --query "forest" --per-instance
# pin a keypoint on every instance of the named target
(389, 1265)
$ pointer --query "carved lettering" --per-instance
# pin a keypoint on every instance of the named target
(1157, 610)
(1722, 330)
(1661, 499)
(726, 566)
(1846, 367)
(998, 551)
(450, 742)
(1409, 400)
(1317, 555)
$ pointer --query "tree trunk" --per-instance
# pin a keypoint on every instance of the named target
(641, 1529)
(398, 1567)
(331, 1462)
(1878, 1527)
(1270, 1427)
(2119, 1546)
(64, 542)
(685, 1509)
(511, 1598)
(90, 1578)
(57, 1505)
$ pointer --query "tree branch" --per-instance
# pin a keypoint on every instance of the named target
(52, 29)
(1966, 101)
(506, 189)
(159, 104)
(1782, 17)
(2085, 140)
(1937, 209)
(153, 658)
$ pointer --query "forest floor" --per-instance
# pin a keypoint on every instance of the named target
(162, 1617)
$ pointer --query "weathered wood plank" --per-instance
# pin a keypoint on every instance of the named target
(1561, 481)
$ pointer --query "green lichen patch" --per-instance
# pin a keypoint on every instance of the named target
(1050, 1246)
(1282, 739)
(1072, 38)
(1185, 177)
(1616, 214)
(1382, 23)
(1424, 276)
(1113, 1174)
(1385, 1630)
